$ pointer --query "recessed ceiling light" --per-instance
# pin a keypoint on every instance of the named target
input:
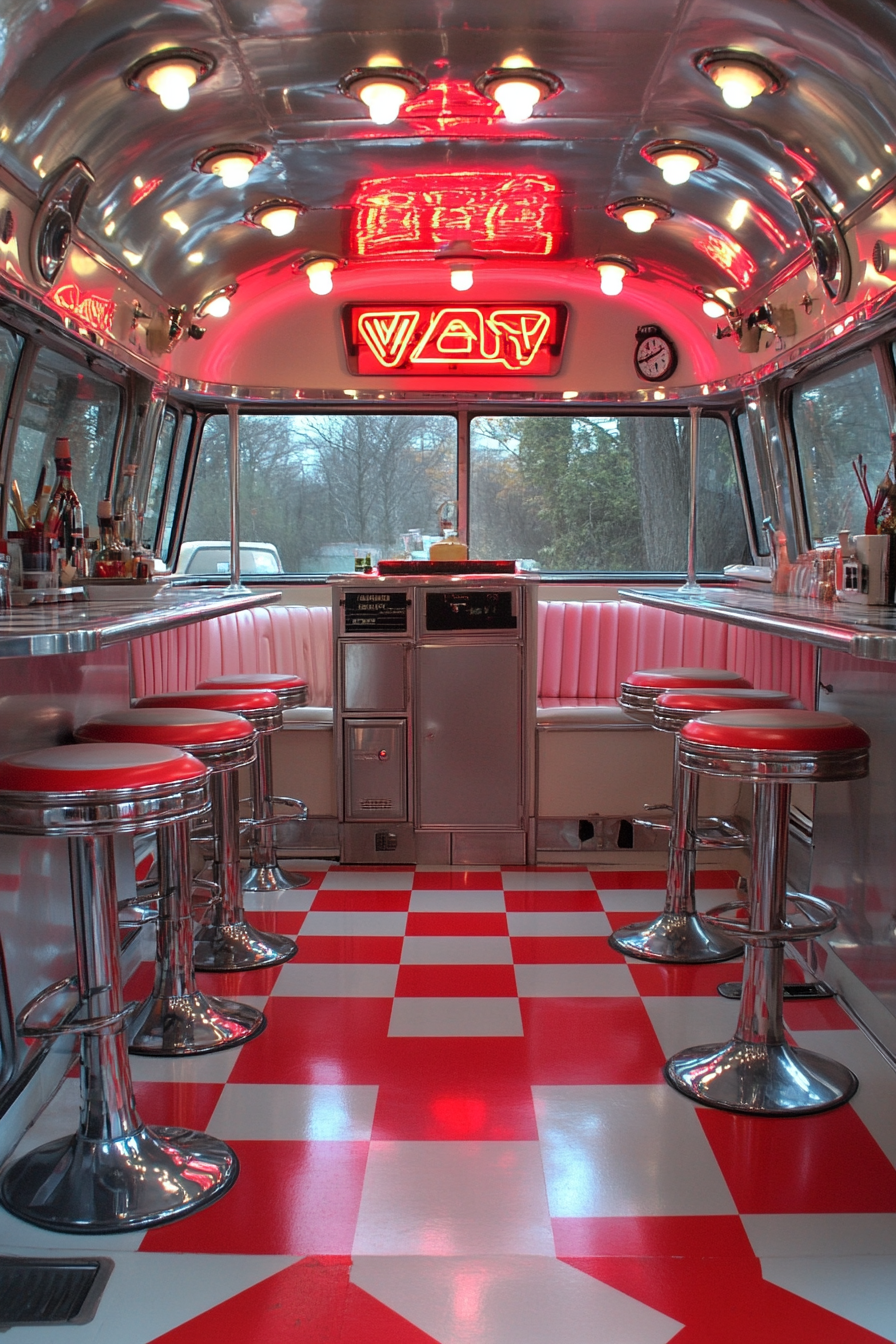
(170, 74)
(639, 213)
(740, 75)
(277, 215)
(518, 86)
(383, 87)
(677, 159)
(232, 163)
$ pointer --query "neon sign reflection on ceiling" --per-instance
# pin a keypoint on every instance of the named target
(502, 214)
(475, 338)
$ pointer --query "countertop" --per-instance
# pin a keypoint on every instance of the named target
(865, 632)
(79, 627)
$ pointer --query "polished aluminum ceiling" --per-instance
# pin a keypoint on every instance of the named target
(629, 77)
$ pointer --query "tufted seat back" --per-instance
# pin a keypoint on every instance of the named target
(586, 649)
(264, 639)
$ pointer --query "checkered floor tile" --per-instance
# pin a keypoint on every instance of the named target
(455, 1130)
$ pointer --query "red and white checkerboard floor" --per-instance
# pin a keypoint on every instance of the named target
(455, 1129)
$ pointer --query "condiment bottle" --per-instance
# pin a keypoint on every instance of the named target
(64, 514)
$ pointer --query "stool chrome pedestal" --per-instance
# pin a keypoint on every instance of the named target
(226, 941)
(177, 1018)
(679, 934)
(265, 873)
(757, 1072)
(116, 1173)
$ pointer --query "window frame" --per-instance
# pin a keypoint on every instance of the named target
(820, 373)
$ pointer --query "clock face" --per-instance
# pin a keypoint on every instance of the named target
(655, 357)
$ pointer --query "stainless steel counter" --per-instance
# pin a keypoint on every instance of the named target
(863, 632)
(82, 627)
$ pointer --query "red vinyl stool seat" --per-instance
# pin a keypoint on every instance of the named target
(265, 873)
(177, 1018)
(638, 693)
(226, 941)
(115, 1173)
(680, 934)
(757, 1072)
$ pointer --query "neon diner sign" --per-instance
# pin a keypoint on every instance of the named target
(469, 338)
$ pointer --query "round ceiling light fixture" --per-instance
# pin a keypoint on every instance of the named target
(318, 268)
(461, 259)
(383, 87)
(714, 305)
(518, 86)
(217, 303)
(232, 163)
(638, 213)
(277, 215)
(170, 74)
(677, 159)
(740, 75)
(613, 271)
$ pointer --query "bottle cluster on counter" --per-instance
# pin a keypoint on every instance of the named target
(53, 549)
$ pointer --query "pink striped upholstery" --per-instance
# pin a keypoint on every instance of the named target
(585, 649)
(265, 639)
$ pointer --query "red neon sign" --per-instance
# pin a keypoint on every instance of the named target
(414, 216)
(444, 338)
(91, 309)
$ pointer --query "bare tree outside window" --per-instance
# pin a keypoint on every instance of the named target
(320, 487)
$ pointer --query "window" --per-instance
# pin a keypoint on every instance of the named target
(321, 488)
(65, 400)
(174, 482)
(602, 493)
(835, 418)
(10, 349)
(160, 465)
(751, 449)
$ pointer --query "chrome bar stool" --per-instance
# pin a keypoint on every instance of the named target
(177, 1018)
(116, 1173)
(757, 1072)
(679, 934)
(265, 873)
(226, 941)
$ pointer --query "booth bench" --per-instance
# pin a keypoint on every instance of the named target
(585, 650)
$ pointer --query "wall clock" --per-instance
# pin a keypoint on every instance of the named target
(655, 355)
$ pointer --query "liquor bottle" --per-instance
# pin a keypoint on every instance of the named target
(108, 559)
(131, 512)
(64, 514)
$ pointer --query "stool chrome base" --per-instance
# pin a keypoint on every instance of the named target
(239, 947)
(151, 1176)
(270, 877)
(191, 1024)
(675, 937)
(760, 1078)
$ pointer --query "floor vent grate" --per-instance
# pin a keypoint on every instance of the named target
(50, 1292)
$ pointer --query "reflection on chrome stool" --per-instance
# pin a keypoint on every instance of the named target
(115, 1173)
(757, 1071)
(679, 934)
(177, 1018)
(265, 873)
(226, 941)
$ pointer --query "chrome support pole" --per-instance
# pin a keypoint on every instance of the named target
(692, 588)
(233, 416)
(226, 941)
(177, 1018)
(757, 1072)
(678, 934)
(265, 874)
(115, 1174)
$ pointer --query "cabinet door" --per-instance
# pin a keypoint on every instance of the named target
(468, 735)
